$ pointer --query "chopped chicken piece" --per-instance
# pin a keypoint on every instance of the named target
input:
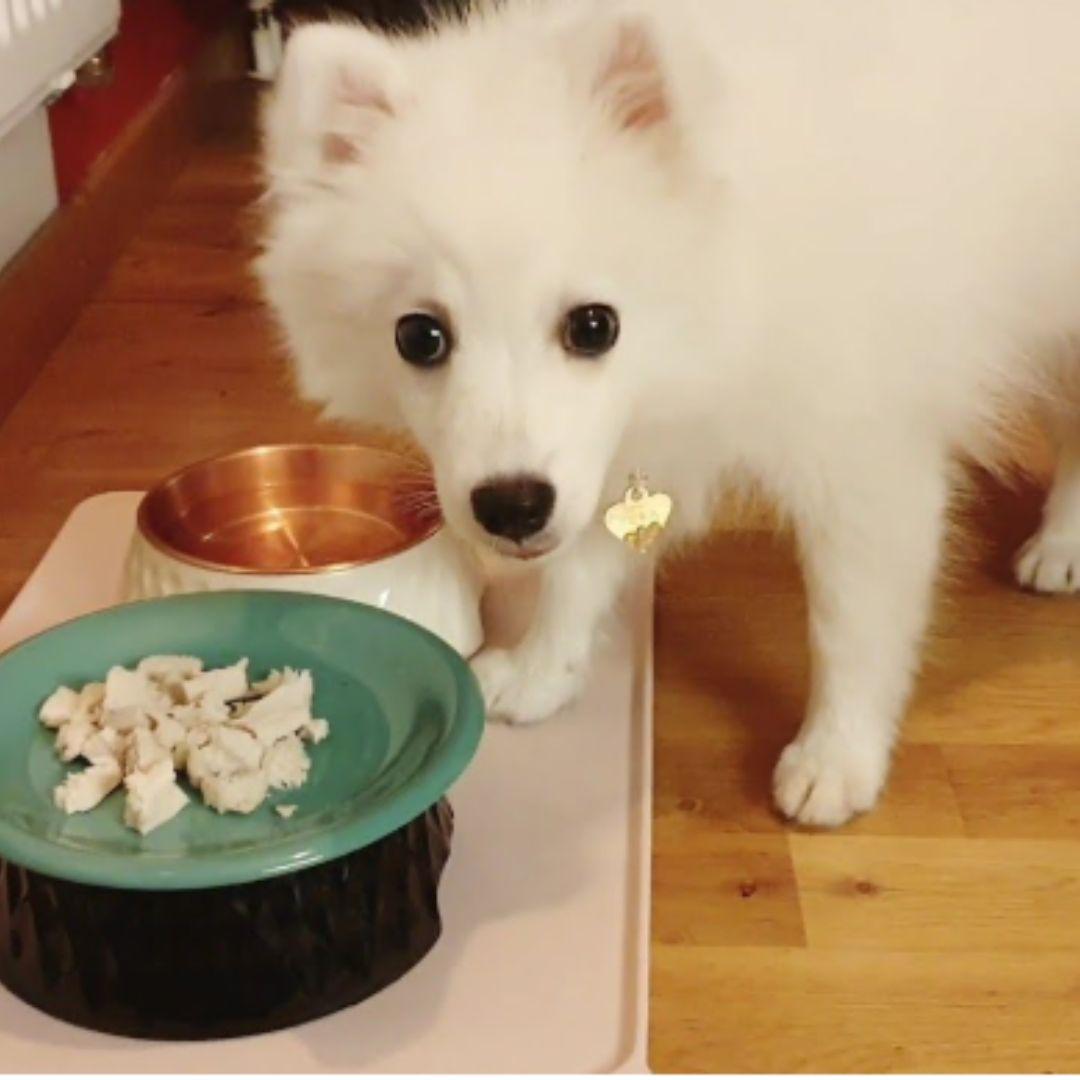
(131, 689)
(222, 684)
(192, 740)
(91, 701)
(153, 797)
(149, 781)
(197, 736)
(272, 727)
(314, 731)
(168, 732)
(126, 719)
(239, 793)
(271, 682)
(286, 764)
(83, 791)
(284, 711)
(145, 751)
(210, 760)
(106, 744)
(141, 726)
(285, 810)
(167, 669)
(71, 738)
(210, 710)
(292, 694)
(59, 707)
(239, 744)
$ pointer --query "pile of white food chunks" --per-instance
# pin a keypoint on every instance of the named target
(235, 741)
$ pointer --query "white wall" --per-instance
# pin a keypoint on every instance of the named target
(40, 41)
(27, 184)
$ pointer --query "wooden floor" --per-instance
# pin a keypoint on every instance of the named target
(940, 933)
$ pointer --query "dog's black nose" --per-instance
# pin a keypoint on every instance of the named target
(513, 507)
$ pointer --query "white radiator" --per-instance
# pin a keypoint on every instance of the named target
(41, 41)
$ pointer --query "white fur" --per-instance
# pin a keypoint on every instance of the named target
(839, 233)
(1050, 561)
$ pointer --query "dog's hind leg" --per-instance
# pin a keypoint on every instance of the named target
(870, 544)
(1050, 561)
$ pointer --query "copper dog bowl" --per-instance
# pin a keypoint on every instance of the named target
(342, 520)
(292, 509)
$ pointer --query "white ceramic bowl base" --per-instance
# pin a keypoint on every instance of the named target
(431, 584)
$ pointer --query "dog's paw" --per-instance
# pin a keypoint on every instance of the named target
(524, 687)
(1050, 563)
(823, 780)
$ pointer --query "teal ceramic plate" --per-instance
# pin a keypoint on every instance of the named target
(405, 719)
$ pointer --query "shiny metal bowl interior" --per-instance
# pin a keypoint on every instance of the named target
(292, 509)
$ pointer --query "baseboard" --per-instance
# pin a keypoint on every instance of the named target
(43, 289)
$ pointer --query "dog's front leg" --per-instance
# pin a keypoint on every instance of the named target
(547, 668)
(870, 551)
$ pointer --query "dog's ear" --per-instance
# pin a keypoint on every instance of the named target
(631, 79)
(337, 84)
(619, 66)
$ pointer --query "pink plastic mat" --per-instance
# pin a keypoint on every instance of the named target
(543, 963)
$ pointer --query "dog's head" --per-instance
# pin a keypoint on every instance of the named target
(487, 234)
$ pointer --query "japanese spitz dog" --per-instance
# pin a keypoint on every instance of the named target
(816, 247)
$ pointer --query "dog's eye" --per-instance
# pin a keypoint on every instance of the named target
(422, 340)
(590, 330)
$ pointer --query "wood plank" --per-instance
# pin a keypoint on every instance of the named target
(938, 895)
(1003, 671)
(732, 665)
(724, 787)
(810, 1011)
(729, 788)
(919, 799)
(1018, 792)
(135, 392)
(219, 174)
(189, 273)
(713, 888)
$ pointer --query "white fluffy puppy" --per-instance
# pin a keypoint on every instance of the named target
(817, 246)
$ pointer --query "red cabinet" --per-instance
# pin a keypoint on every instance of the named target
(156, 38)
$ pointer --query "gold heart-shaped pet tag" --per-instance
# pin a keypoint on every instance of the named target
(640, 516)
